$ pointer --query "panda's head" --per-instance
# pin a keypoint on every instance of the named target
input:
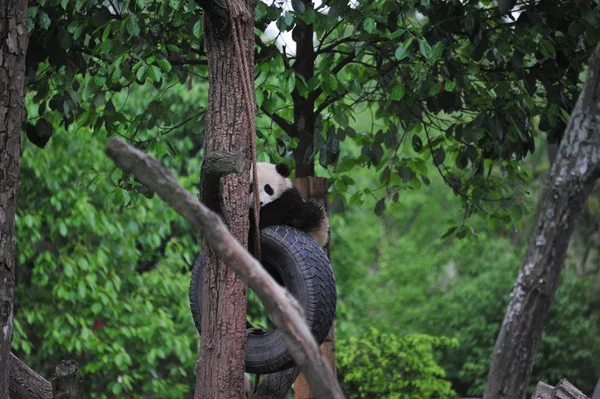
(273, 180)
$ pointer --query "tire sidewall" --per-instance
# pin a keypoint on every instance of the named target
(296, 258)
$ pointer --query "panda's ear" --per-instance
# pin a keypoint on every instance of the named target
(283, 169)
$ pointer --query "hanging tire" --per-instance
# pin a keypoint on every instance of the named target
(297, 262)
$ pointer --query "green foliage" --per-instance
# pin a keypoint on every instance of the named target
(468, 85)
(471, 87)
(85, 57)
(103, 275)
(382, 365)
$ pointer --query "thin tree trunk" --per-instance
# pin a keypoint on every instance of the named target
(220, 370)
(566, 188)
(304, 108)
(13, 46)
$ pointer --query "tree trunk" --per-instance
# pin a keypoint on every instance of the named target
(220, 370)
(13, 46)
(566, 188)
(304, 108)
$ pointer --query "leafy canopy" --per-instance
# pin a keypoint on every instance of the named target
(458, 89)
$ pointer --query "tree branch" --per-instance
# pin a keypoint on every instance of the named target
(187, 62)
(287, 127)
(284, 310)
(26, 383)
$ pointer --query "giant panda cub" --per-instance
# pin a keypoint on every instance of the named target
(282, 204)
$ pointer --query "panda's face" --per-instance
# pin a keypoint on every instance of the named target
(272, 182)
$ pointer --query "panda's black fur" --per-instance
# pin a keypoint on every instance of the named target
(284, 205)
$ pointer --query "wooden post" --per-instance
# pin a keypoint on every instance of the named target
(316, 188)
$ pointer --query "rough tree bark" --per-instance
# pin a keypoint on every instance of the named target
(220, 370)
(26, 383)
(284, 310)
(13, 46)
(566, 188)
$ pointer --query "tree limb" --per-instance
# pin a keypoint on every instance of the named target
(284, 310)
(281, 122)
(26, 383)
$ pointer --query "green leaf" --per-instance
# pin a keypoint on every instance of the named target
(449, 231)
(425, 49)
(380, 207)
(161, 148)
(260, 98)
(403, 49)
(369, 25)
(106, 32)
(298, 6)
(39, 134)
(82, 289)
(132, 27)
(140, 75)
(44, 20)
(309, 16)
(140, 3)
(331, 82)
(398, 92)
(96, 308)
(285, 22)
(197, 30)
(340, 117)
(417, 143)
(437, 50)
(164, 64)
(154, 73)
(439, 155)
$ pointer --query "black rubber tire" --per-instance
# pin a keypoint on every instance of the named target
(295, 259)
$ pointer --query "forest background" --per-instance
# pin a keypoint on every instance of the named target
(423, 273)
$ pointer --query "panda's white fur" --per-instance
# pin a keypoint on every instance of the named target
(268, 174)
(282, 204)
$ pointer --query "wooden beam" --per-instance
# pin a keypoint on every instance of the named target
(316, 188)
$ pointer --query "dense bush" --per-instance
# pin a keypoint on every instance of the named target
(384, 366)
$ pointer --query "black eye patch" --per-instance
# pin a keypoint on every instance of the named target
(269, 189)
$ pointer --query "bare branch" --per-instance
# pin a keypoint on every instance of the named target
(284, 310)
(188, 62)
(26, 383)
